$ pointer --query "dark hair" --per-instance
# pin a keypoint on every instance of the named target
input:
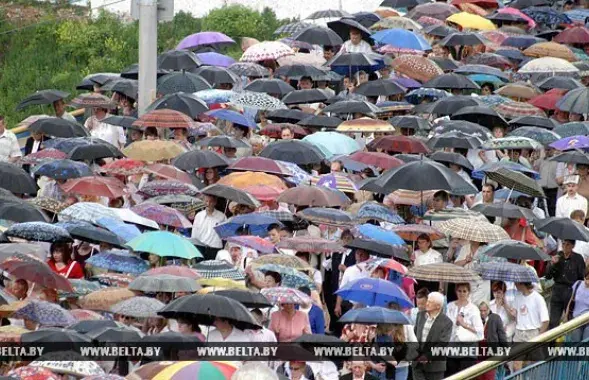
(193, 323)
(498, 285)
(151, 131)
(64, 248)
(273, 227)
(490, 85)
(305, 255)
(286, 229)
(306, 78)
(328, 48)
(286, 127)
(275, 275)
(441, 195)
(578, 214)
(426, 238)
(463, 284)
(569, 241)
(347, 231)
(422, 293)
(489, 185)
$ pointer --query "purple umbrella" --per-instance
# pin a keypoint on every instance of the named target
(572, 142)
(204, 38)
(215, 59)
(254, 242)
(407, 82)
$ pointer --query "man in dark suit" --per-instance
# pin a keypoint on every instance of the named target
(432, 327)
(35, 142)
(494, 331)
(358, 372)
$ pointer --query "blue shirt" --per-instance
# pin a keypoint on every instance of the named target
(317, 320)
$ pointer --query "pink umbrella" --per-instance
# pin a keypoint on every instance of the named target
(174, 270)
(517, 12)
(162, 215)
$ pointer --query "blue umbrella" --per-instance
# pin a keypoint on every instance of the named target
(232, 116)
(482, 69)
(63, 169)
(213, 96)
(352, 165)
(256, 223)
(402, 39)
(370, 231)
(521, 42)
(215, 59)
(542, 135)
(502, 194)
(575, 128)
(375, 315)
(374, 292)
(119, 261)
(506, 271)
(493, 100)
(516, 55)
(416, 96)
(333, 143)
(125, 231)
(547, 16)
(479, 173)
(376, 211)
(486, 78)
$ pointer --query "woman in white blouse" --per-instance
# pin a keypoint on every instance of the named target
(467, 326)
(499, 306)
(425, 254)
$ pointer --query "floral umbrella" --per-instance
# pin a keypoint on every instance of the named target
(168, 187)
(283, 260)
(45, 314)
(138, 307)
(86, 315)
(550, 49)
(266, 51)
(125, 166)
(120, 261)
(328, 216)
(87, 211)
(548, 65)
(162, 215)
(63, 366)
(118, 280)
(419, 68)
(258, 101)
(38, 231)
(104, 299)
(33, 373)
(282, 295)
(396, 22)
(42, 156)
(49, 204)
(249, 69)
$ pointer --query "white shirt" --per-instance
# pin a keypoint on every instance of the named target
(9, 147)
(430, 257)
(531, 311)
(582, 248)
(36, 145)
(352, 274)
(362, 47)
(236, 335)
(508, 322)
(566, 204)
(67, 116)
(472, 317)
(109, 133)
(473, 157)
(203, 228)
(263, 335)
(325, 369)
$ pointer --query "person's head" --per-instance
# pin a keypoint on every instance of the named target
(272, 279)
(288, 307)
(257, 143)
(524, 287)
(274, 233)
(358, 369)
(362, 77)
(222, 324)
(379, 272)
(514, 154)
(99, 112)
(305, 256)
(568, 6)
(59, 107)
(463, 291)
(240, 131)
(337, 166)
(328, 52)
(286, 133)
(568, 246)
(236, 253)
(285, 232)
(440, 200)
(435, 302)
(488, 192)
(355, 36)
(254, 371)
(424, 242)
(151, 133)
(498, 132)
(60, 253)
(484, 309)
(524, 202)
(347, 82)
(126, 320)
(136, 135)
(487, 89)
(571, 184)
(37, 136)
(210, 202)
(498, 288)
(306, 83)
(180, 134)
(361, 255)
(582, 170)
(421, 298)
(211, 176)
(229, 152)
(385, 72)
(187, 326)
(20, 288)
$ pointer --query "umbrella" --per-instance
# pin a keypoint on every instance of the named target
(253, 242)
(164, 244)
(38, 231)
(63, 169)
(259, 164)
(124, 167)
(548, 65)
(372, 232)
(85, 326)
(231, 194)
(180, 370)
(58, 127)
(87, 232)
(173, 270)
(223, 141)
(374, 292)
(153, 150)
(536, 121)
(335, 181)
(480, 172)
(515, 181)
(211, 269)
(543, 136)
(375, 315)
(76, 365)
(442, 272)
(19, 211)
(452, 158)
(574, 157)
(312, 245)
(183, 81)
(376, 159)
(216, 75)
(249, 69)
(215, 59)
(168, 172)
(118, 261)
(290, 278)
(104, 299)
(462, 39)
(451, 81)
(16, 180)
(269, 86)
(282, 295)
(365, 125)
(266, 50)
(454, 140)
(194, 159)
(95, 186)
(401, 38)
(207, 307)
(416, 67)
(323, 215)
(138, 307)
(424, 175)
(247, 298)
(379, 247)
(562, 228)
(186, 104)
(41, 98)
(280, 260)
(120, 280)
(333, 143)
(377, 211)
(178, 60)
(42, 156)
(508, 143)
(413, 231)
(292, 28)
(299, 152)
(576, 101)
(257, 101)
(162, 215)
(196, 40)
(474, 230)
(561, 82)
(440, 11)
(452, 104)
(254, 223)
(92, 100)
(286, 116)
(574, 35)
(297, 71)
(504, 210)
(411, 122)
(402, 144)
(571, 143)
(87, 211)
(36, 272)
(482, 115)
(94, 151)
(304, 97)
(505, 271)
(314, 197)
(45, 314)
(318, 35)
(380, 87)
(550, 49)
(116, 334)
(517, 250)
(471, 21)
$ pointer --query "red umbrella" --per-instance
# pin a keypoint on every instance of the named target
(36, 272)
(259, 164)
(401, 144)
(173, 270)
(125, 166)
(548, 100)
(274, 130)
(168, 172)
(45, 154)
(164, 118)
(575, 35)
(96, 186)
(380, 160)
(264, 192)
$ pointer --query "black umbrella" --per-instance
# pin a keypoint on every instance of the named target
(52, 335)
(247, 298)
(462, 39)
(83, 327)
(405, 157)
(410, 122)
(295, 151)
(114, 335)
(178, 60)
(481, 115)
(446, 64)
(298, 71)
(19, 211)
(402, 3)
(270, 86)
(127, 87)
(504, 210)
(366, 19)
(188, 104)
(454, 140)
(195, 159)
(95, 152)
(217, 75)
(517, 250)
(451, 158)
(121, 121)
(96, 79)
(466, 127)
(572, 156)
(451, 81)
(566, 83)
(304, 97)
(523, 4)
(534, 121)
(342, 28)
(380, 87)
(439, 30)
(181, 82)
(378, 248)
(286, 116)
(352, 106)
(318, 35)
(352, 60)
(132, 72)
(58, 127)
(506, 17)
(231, 194)
(206, 307)
(320, 121)
(87, 232)
(41, 98)
(424, 175)
(562, 228)
(224, 141)
(13, 178)
(452, 104)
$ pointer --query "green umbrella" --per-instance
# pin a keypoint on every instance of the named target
(164, 244)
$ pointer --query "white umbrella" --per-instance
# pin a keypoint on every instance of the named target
(548, 65)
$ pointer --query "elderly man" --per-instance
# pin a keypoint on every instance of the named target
(358, 372)
(431, 326)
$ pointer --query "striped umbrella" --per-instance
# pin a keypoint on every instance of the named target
(164, 118)
(218, 269)
(335, 181)
(442, 272)
(473, 230)
(410, 197)
(516, 181)
(506, 271)
(93, 100)
(312, 245)
(365, 125)
(210, 370)
(512, 110)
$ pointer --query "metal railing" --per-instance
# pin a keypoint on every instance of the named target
(518, 351)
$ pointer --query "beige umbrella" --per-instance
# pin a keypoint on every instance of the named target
(473, 230)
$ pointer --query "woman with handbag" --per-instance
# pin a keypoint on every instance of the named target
(579, 304)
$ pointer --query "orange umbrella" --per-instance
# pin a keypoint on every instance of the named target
(416, 67)
(168, 172)
(242, 180)
(550, 49)
(95, 186)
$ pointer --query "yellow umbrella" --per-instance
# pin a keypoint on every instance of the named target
(153, 150)
(365, 125)
(242, 180)
(219, 282)
(470, 21)
(7, 310)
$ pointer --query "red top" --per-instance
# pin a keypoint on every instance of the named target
(73, 270)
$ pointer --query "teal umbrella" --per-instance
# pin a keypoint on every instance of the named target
(164, 244)
(333, 143)
(486, 78)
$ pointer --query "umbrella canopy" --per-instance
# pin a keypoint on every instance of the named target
(180, 370)
(505, 210)
(58, 127)
(138, 307)
(104, 299)
(504, 271)
(377, 211)
(376, 159)
(226, 141)
(87, 232)
(255, 223)
(364, 125)
(516, 250)
(374, 292)
(474, 230)
(375, 315)
(45, 314)
(416, 67)
(400, 144)
(471, 21)
(572, 129)
(187, 104)
(575, 157)
(323, 215)
(231, 194)
(153, 150)
(442, 272)
(38, 231)
(247, 298)
(480, 115)
(217, 75)
(178, 60)
(380, 247)
(118, 261)
(95, 186)
(333, 143)
(253, 242)
(454, 140)
(92, 100)
(515, 181)
(213, 269)
(269, 86)
(168, 172)
(249, 69)
(215, 59)
(543, 136)
(402, 39)
(16, 180)
(290, 278)
(299, 152)
(576, 101)
(352, 106)
(562, 228)
(266, 50)
(282, 295)
(194, 159)
(452, 158)
(318, 35)
(36, 272)
(41, 98)
(16, 210)
(548, 65)
(312, 245)
(313, 197)
(181, 81)
(462, 39)
(550, 49)
(164, 244)
(162, 215)
(204, 38)
(451, 81)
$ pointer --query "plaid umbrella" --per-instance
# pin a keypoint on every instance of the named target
(410, 197)
(516, 181)
(280, 259)
(312, 245)
(257, 101)
(282, 295)
(266, 50)
(254, 242)
(162, 215)
(153, 150)
(283, 216)
(38, 231)
(411, 232)
(138, 307)
(512, 110)
(120, 261)
(505, 271)
(474, 230)
(291, 278)
(45, 314)
(164, 118)
(328, 216)
(217, 268)
(168, 187)
(93, 100)
(292, 28)
(442, 272)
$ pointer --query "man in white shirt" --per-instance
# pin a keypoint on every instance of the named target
(109, 133)
(9, 148)
(205, 221)
(59, 108)
(571, 201)
(355, 272)
(356, 44)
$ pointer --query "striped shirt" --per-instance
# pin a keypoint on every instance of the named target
(427, 326)
(9, 147)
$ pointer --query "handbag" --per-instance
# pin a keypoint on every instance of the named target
(567, 314)
(465, 335)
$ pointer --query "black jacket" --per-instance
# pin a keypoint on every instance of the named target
(440, 333)
(29, 144)
(494, 331)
